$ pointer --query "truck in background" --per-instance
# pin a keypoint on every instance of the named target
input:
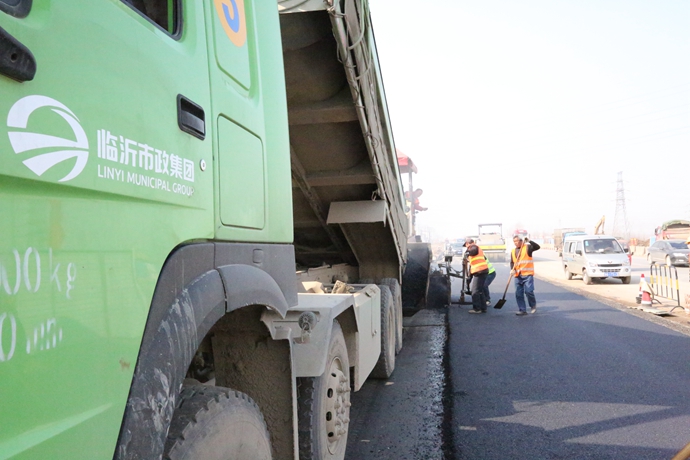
(673, 230)
(207, 233)
(491, 241)
(521, 233)
(560, 234)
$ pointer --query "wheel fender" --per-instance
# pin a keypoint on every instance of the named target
(167, 349)
(247, 285)
(170, 340)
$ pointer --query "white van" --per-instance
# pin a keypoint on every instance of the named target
(595, 257)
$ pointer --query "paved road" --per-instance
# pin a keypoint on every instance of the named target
(579, 379)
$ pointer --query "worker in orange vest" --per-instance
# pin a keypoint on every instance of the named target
(522, 267)
(479, 269)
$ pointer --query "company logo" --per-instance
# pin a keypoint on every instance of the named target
(62, 149)
(231, 15)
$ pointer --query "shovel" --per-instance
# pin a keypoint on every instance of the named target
(502, 301)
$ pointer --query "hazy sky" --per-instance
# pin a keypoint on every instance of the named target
(523, 112)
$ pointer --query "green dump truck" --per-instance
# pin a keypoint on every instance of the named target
(203, 233)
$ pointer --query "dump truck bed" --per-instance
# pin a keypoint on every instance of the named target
(347, 191)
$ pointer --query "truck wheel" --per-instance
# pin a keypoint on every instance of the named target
(415, 280)
(626, 279)
(568, 275)
(386, 363)
(324, 405)
(216, 423)
(586, 278)
(394, 286)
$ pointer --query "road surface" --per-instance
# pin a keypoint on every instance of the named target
(585, 377)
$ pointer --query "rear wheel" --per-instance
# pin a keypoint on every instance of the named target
(386, 363)
(586, 278)
(215, 423)
(568, 275)
(324, 405)
(394, 286)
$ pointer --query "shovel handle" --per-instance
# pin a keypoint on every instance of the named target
(507, 286)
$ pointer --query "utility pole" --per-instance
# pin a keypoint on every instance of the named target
(620, 220)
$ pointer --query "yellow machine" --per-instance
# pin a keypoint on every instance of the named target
(491, 242)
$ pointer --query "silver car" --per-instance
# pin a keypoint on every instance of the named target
(669, 252)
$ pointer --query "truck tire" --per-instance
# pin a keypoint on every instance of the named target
(216, 423)
(386, 363)
(323, 405)
(394, 286)
(416, 276)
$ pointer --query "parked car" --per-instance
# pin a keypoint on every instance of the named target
(457, 248)
(595, 257)
(670, 252)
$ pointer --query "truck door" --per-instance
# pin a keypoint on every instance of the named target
(249, 111)
(101, 176)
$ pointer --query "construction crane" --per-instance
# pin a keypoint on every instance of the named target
(599, 227)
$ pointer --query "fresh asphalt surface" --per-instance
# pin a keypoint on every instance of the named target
(578, 380)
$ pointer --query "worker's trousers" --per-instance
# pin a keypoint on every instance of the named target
(477, 290)
(524, 287)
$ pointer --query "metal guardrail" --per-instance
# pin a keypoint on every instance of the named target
(663, 279)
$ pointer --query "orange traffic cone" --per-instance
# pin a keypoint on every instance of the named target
(645, 297)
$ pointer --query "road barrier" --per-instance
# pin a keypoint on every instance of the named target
(663, 279)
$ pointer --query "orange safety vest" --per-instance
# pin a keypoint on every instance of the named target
(478, 263)
(525, 266)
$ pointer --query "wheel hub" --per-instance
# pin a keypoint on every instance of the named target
(337, 404)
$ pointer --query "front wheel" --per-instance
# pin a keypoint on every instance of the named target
(324, 405)
(626, 279)
(586, 278)
(215, 423)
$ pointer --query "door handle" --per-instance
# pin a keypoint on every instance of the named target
(190, 117)
(16, 61)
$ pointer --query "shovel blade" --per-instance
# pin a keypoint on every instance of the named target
(500, 304)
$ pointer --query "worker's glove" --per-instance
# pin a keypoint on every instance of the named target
(512, 272)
